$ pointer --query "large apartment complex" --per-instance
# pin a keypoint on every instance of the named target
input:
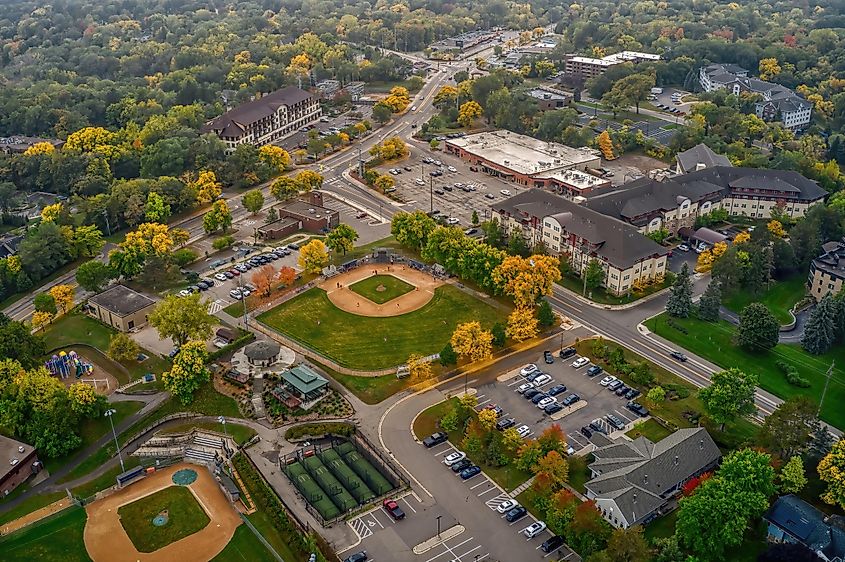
(827, 272)
(266, 119)
(580, 234)
(589, 67)
(779, 103)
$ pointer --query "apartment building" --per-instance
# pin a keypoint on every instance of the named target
(827, 272)
(590, 67)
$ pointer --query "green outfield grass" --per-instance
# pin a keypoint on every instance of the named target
(57, 539)
(391, 287)
(185, 517)
(361, 342)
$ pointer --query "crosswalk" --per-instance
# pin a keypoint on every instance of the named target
(494, 503)
(361, 528)
(216, 306)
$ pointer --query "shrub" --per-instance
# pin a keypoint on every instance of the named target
(223, 242)
(320, 429)
(792, 376)
(184, 256)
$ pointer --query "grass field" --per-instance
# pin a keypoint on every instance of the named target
(185, 517)
(371, 390)
(713, 341)
(29, 505)
(600, 295)
(780, 298)
(244, 546)
(374, 343)
(57, 539)
(391, 286)
(649, 429)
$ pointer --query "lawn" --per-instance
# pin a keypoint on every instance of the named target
(779, 298)
(365, 343)
(381, 288)
(240, 433)
(371, 390)
(105, 480)
(58, 539)
(184, 517)
(601, 296)
(244, 546)
(29, 505)
(579, 474)
(713, 341)
(649, 429)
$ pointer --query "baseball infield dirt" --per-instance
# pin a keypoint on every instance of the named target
(106, 540)
(337, 289)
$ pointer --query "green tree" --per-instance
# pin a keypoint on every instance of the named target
(474, 218)
(93, 275)
(341, 238)
(448, 356)
(786, 432)
(819, 332)
(219, 217)
(668, 550)
(223, 242)
(253, 200)
(188, 372)
(517, 246)
(656, 395)
(628, 545)
(680, 296)
(156, 209)
(382, 113)
(758, 328)
(593, 275)
(710, 302)
(182, 319)
(44, 302)
(545, 315)
(19, 344)
(792, 477)
(493, 234)
(123, 348)
(730, 395)
(529, 455)
(499, 336)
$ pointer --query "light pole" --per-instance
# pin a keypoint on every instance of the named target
(222, 420)
(109, 413)
(438, 525)
(431, 195)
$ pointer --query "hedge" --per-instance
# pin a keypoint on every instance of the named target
(240, 342)
(319, 430)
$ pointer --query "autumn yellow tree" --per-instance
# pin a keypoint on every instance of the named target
(468, 112)
(149, 238)
(299, 67)
(487, 418)
(313, 256)
(832, 471)
(206, 187)
(719, 248)
(776, 228)
(704, 261)
(527, 279)
(472, 342)
(445, 95)
(51, 212)
(398, 99)
(383, 182)
(41, 319)
(308, 180)
(63, 295)
(606, 145)
(276, 158)
(90, 139)
(419, 368)
(522, 324)
(769, 68)
(742, 237)
(39, 148)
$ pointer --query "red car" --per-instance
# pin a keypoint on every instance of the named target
(394, 510)
(234, 272)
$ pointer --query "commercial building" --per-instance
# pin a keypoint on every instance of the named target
(121, 308)
(465, 41)
(328, 87)
(792, 520)
(306, 213)
(18, 461)
(779, 103)
(550, 98)
(590, 67)
(827, 272)
(521, 159)
(651, 205)
(580, 235)
(634, 481)
(266, 119)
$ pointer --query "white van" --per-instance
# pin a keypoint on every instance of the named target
(413, 108)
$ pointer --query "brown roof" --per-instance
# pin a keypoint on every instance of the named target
(236, 121)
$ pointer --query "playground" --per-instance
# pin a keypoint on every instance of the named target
(180, 518)
(71, 367)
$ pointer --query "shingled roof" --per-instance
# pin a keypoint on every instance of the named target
(700, 154)
(235, 122)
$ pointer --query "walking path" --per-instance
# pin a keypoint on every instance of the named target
(34, 516)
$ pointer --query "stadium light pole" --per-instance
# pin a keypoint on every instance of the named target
(222, 420)
(109, 413)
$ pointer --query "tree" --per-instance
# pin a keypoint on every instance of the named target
(253, 200)
(487, 419)
(420, 369)
(63, 296)
(219, 217)
(545, 316)
(286, 275)
(730, 395)
(522, 324)
(710, 302)
(84, 400)
(527, 279)
(309, 179)
(263, 279)
(832, 471)
(85, 241)
(516, 243)
(182, 319)
(529, 455)
(786, 431)
(656, 395)
(471, 342)
(768, 68)
(156, 209)
(276, 158)
(555, 468)
(123, 348)
(93, 275)
(313, 256)
(668, 550)
(383, 182)
(284, 187)
(758, 328)
(18, 344)
(382, 113)
(474, 218)
(44, 302)
(448, 355)
(341, 238)
(593, 274)
(679, 304)
(223, 242)
(605, 144)
(628, 545)
(468, 112)
(819, 332)
(792, 478)
(40, 319)
(188, 372)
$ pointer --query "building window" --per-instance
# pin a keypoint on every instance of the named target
(131, 324)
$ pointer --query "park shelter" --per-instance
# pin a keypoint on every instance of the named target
(304, 383)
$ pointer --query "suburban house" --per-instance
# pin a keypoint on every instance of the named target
(792, 520)
(121, 308)
(651, 205)
(301, 387)
(778, 103)
(18, 461)
(19, 143)
(9, 245)
(580, 234)
(306, 213)
(266, 119)
(827, 272)
(698, 158)
(633, 481)
(589, 67)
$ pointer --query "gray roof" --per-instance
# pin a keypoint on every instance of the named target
(808, 526)
(621, 244)
(9, 245)
(637, 474)
(235, 121)
(832, 261)
(121, 300)
(688, 160)
(10, 450)
(262, 350)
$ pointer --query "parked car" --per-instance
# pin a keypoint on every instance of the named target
(614, 385)
(552, 544)
(452, 458)
(567, 352)
(533, 376)
(523, 431)
(631, 393)
(552, 408)
(679, 356)
(594, 370)
(531, 393)
(505, 192)
(489, 196)
(615, 422)
(528, 369)
(460, 465)
(607, 380)
(507, 505)
(471, 231)
(541, 380)
(184, 293)
(495, 408)
(202, 285)
(548, 400)
(523, 387)
(235, 294)
(622, 390)
(516, 514)
(556, 389)
(638, 409)
(452, 169)
(469, 472)
(599, 426)
(235, 272)
(502, 425)
(220, 276)
(439, 192)
(570, 400)
(209, 282)
(357, 557)
(435, 439)
(393, 509)
(228, 274)
(586, 432)
(548, 357)
(534, 529)
(580, 362)
(683, 247)
(453, 220)
(538, 397)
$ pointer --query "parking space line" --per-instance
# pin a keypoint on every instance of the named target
(409, 505)
(487, 491)
(471, 477)
(479, 484)
(448, 549)
(373, 514)
(468, 552)
(450, 448)
(482, 402)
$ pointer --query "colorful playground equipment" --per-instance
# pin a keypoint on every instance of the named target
(65, 364)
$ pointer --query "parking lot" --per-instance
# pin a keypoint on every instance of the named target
(596, 401)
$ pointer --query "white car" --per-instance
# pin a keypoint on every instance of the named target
(419, 181)
(534, 529)
(541, 380)
(523, 387)
(546, 401)
(607, 380)
(507, 505)
(452, 220)
(236, 294)
(505, 192)
(523, 431)
(459, 185)
(184, 293)
(220, 277)
(528, 369)
(683, 248)
(580, 362)
(245, 292)
(452, 458)
(452, 168)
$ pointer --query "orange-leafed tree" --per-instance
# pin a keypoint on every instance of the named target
(263, 279)
(286, 275)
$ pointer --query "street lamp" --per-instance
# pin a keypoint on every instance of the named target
(109, 413)
(438, 525)
(222, 420)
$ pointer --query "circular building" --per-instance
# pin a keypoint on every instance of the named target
(262, 353)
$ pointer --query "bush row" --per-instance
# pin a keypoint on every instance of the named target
(240, 342)
(792, 376)
(319, 429)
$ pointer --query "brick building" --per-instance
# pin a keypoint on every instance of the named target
(121, 308)
(18, 461)
(306, 213)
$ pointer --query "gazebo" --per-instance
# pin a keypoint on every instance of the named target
(262, 353)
